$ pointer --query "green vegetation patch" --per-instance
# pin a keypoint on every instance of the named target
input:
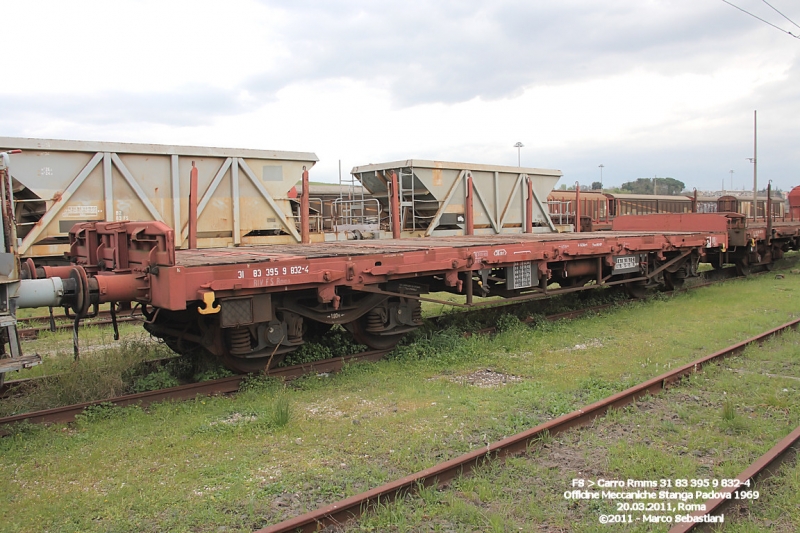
(106, 370)
(710, 427)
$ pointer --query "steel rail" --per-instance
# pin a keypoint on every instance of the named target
(11, 386)
(350, 508)
(765, 466)
(205, 388)
(8, 386)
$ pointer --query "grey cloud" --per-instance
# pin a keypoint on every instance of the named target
(455, 51)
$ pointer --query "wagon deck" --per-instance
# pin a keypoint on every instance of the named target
(294, 252)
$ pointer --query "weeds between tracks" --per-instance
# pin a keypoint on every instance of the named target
(711, 426)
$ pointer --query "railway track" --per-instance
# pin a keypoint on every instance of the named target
(762, 468)
(228, 385)
(8, 388)
(14, 386)
(346, 510)
(218, 386)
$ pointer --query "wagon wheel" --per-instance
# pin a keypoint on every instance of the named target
(637, 289)
(235, 351)
(577, 281)
(313, 330)
(672, 282)
(358, 328)
(252, 365)
(743, 267)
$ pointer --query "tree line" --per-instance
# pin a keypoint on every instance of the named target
(669, 186)
(654, 186)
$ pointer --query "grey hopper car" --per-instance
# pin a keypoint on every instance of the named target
(243, 194)
(433, 196)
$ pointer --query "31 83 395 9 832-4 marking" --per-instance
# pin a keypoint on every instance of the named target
(272, 271)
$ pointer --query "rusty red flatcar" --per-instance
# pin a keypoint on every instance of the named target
(250, 306)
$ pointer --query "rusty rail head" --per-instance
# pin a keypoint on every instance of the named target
(350, 508)
(217, 386)
(765, 466)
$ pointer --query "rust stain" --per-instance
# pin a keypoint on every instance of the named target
(437, 177)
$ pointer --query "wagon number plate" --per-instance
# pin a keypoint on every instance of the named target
(626, 263)
(521, 275)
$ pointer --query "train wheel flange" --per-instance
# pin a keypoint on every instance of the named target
(372, 339)
(743, 267)
(672, 282)
(637, 290)
(252, 365)
(239, 354)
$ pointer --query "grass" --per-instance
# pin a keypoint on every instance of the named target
(104, 371)
(235, 462)
(741, 409)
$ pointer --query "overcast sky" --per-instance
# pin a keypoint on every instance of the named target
(644, 87)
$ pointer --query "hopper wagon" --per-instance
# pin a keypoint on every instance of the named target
(423, 198)
(242, 195)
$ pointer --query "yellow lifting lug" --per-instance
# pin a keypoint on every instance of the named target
(208, 307)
